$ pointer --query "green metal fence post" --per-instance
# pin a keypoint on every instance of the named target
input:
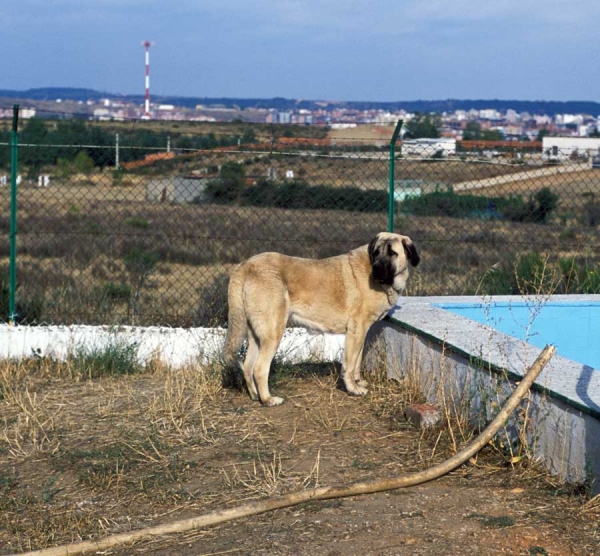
(12, 313)
(391, 200)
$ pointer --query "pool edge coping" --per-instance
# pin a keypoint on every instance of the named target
(506, 355)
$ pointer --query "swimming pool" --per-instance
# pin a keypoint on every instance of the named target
(573, 327)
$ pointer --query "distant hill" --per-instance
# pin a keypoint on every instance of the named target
(550, 108)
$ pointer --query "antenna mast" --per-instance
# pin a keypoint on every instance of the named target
(147, 45)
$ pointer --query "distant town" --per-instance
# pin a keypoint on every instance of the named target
(503, 120)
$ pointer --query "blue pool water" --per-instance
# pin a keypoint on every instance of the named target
(573, 327)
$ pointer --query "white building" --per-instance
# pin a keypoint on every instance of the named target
(429, 148)
(489, 114)
(568, 119)
(564, 148)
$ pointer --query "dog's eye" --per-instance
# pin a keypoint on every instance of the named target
(391, 252)
(376, 252)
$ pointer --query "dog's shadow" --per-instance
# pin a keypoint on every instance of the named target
(282, 372)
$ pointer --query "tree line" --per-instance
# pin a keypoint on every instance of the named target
(50, 143)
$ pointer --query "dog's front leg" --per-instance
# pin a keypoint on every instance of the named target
(357, 368)
(355, 339)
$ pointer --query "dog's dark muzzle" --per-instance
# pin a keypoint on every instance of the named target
(383, 271)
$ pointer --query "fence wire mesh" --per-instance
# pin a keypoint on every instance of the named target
(142, 228)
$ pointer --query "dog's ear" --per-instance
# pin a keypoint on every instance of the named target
(371, 249)
(411, 251)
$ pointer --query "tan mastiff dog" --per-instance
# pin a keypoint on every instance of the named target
(344, 295)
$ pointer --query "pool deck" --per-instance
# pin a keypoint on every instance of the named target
(565, 400)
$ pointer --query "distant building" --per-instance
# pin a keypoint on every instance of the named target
(428, 148)
(564, 148)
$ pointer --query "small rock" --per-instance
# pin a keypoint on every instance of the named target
(423, 415)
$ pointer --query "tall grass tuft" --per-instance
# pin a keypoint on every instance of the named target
(117, 358)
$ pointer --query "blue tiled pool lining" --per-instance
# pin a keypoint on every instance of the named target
(564, 378)
(573, 327)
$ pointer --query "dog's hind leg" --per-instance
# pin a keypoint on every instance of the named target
(248, 366)
(267, 305)
(267, 350)
(268, 333)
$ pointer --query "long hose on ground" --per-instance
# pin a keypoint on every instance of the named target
(323, 493)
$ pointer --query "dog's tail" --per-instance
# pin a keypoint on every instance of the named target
(237, 326)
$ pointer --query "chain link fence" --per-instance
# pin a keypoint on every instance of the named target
(113, 229)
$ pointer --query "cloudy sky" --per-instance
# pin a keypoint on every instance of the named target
(312, 49)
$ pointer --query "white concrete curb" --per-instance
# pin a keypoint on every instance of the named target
(173, 346)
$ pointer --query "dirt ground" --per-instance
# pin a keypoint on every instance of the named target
(85, 457)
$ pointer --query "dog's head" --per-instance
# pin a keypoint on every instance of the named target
(390, 255)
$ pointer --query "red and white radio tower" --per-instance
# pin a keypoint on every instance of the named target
(147, 45)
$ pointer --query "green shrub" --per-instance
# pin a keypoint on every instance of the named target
(536, 209)
(298, 194)
(139, 261)
(449, 203)
(526, 274)
(579, 277)
(83, 162)
(513, 208)
(533, 274)
(227, 187)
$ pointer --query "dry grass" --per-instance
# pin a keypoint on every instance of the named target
(81, 457)
(75, 236)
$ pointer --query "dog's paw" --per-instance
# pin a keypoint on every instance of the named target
(273, 401)
(362, 383)
(358, 391)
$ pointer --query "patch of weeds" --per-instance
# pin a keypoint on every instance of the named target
(499, 522)
(114, 359)
(137, 222)
(28, 310)
(363, 465)
(8, 481)
(116, 291)
(93, 228)
(17, 504)
(96, 467)
(538, 550)
(142, 465)
(48, 491)
(567, 234)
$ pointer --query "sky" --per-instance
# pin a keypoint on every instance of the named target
(357, 50)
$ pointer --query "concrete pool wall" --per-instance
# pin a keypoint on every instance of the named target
(475, 364)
